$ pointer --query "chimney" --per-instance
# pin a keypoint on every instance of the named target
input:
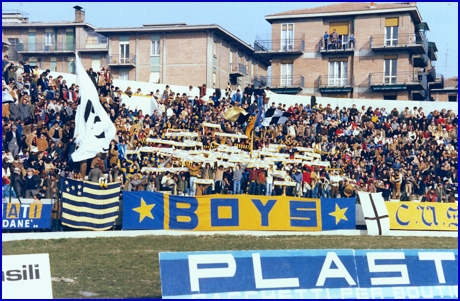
(372, 5)
(79, 14)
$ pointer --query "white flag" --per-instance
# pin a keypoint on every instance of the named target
(375, 213)
(6, 97)
(93, 128)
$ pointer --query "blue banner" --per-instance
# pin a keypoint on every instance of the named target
(26, 216)
(155, 211)
(310, 274)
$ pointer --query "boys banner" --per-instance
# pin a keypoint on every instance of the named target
(156, 211)
(26, 216)
(423, 216)
(310, 274)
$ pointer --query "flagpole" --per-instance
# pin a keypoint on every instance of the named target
(58, 191)
(252, 142)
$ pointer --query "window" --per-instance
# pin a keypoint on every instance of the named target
(93, 38)
(124, 52)
(390, 69)
(452, 98)
(391, 31)
(124, 74)
(96, 62)
(286, 75)
(342, 30)
(390, 97)
(48, 38)
(13, 48)
(155, 48)
(287, 36)
(53, 67)
(338, 74)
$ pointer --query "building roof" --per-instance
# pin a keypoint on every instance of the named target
(44, 24)
(178, 27)
(451, 82)
(345, 8)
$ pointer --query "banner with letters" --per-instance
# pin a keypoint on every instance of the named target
(26, 216)
(155, 211)
(423, 216)
(26, 276)
(310, 274)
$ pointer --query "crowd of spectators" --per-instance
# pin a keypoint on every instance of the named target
(405, 155)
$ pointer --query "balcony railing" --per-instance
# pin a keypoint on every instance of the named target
(403, 80)
(279, 46)
(46, 48)
(286, 81)
(379, 42)
(117, 60)
(334, 81)
(438, 82)
(260, 80)
(238, 69)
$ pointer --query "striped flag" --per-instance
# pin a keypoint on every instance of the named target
(275, 116)
(85, 205)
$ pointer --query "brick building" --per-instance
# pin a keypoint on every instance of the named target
(52, 45)
(177, 54)
(183, 55)
(391, 57)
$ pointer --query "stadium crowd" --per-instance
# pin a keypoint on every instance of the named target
(405, 155)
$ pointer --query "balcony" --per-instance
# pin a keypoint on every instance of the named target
(432, 49)
(414, 42)
(286, 84)
(238, 70)
(275, 48)
(44, 48)
(95, 42)
(406, 80)
(438, 82)
(335, 48)
(116, 60)
(420, 60)
(333, 84)
(260, 80)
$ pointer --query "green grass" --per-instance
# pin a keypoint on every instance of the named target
(129, 267)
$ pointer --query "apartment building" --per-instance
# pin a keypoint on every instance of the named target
(390, 56)
(177, 54)
(182, 54)
(52, 45)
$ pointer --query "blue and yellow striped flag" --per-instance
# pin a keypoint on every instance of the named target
(85, 205)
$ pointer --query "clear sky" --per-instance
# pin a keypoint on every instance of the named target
(243, 19)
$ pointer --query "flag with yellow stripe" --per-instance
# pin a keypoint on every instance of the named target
(85, 205)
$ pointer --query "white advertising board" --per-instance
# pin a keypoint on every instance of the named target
(26, 277)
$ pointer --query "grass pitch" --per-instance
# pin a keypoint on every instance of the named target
(129, 267)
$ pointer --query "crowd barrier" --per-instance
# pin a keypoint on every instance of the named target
(144, 210)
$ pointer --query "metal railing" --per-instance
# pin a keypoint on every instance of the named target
(401, 78)
(286, 81)
(294, 45)
(238, 68)
(260, 80)
(438, 82)
(334, 81)
(116, 59)
(43, 47)
(401, 40)
(95, 40)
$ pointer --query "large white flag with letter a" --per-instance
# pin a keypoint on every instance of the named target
(93, 128)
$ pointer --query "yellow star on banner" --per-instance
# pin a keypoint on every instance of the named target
(339, 214)
(144, 210)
